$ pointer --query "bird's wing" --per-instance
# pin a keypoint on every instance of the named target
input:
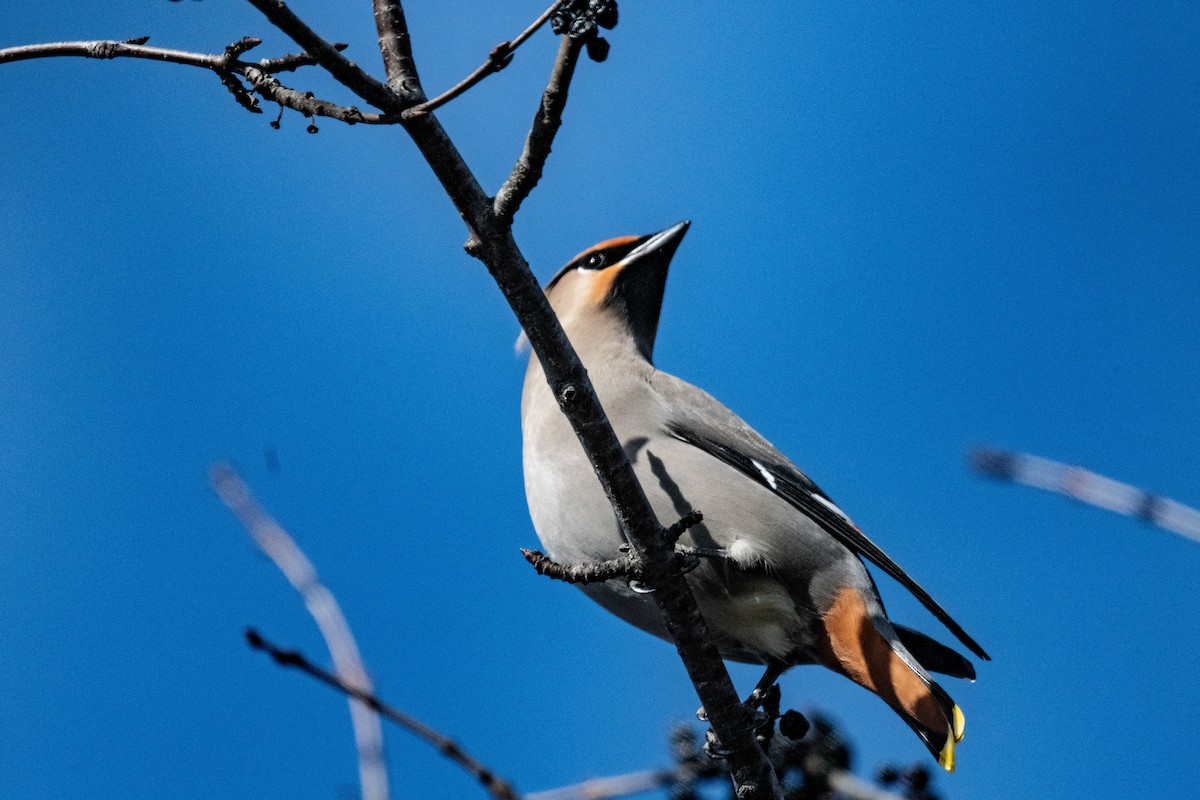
(933, 655)
(698, 419)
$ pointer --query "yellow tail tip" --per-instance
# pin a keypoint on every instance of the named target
(946, 757)
(959, 724)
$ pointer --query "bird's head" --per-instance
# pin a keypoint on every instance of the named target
(619, 281)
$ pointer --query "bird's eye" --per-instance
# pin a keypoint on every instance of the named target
(594, 261)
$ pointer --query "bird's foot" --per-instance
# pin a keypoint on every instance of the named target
(764, 697)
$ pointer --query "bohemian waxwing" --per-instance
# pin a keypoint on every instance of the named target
(791, 588)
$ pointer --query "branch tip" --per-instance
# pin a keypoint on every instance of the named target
(593, 572)
(500, 57)
(243, 45)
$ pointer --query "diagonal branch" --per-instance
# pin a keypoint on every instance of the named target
(499, 58)
(490, 240)
(495, 785)
(528, 170)
(327, 55)
(282, 549)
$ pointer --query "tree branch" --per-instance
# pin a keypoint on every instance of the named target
(396, 47)
(496, 786)
(327, 55)
(499, 58)
(282, 549)
(110, 49)
(580, 573)
(491, 241)
(293, 61)
(260, 76)
(528, 170)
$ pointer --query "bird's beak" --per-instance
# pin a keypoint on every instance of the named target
(657, 247)
(639, 280)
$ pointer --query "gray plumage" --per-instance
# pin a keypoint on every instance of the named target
(793, 585)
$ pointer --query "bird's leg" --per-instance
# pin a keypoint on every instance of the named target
(792, 724)
(765, 683)
(765, 694)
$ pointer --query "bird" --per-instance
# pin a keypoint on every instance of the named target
(788, 585)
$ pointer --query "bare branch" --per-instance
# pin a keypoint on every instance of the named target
(224, 66)
(396, 47)
(580, 573)
(328, 56)
(110, 49)
(844, 783)
(496, 786)
(528, 170)
(491, 241)
(500, 57)
(269, 87)
(610, 787)
(293, 61)
(282, 549)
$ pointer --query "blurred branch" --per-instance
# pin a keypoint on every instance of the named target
(847, 786)
(612, 786)
(815, 768)
(497, 787)
(279, 546)
(1088, 487)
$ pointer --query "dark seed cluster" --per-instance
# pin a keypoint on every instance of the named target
(582, 20)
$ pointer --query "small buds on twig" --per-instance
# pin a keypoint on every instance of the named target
(242, 45)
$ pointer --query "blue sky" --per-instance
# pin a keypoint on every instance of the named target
(916, 227)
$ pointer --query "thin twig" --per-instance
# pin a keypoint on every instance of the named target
(496, 786)
(282, 549)
(293, 61)
(109, 49)
(612, 786)
(259, 77)
(528, 170)
(499, 58)
(596, 572)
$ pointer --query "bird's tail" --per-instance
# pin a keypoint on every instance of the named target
(854, 647)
